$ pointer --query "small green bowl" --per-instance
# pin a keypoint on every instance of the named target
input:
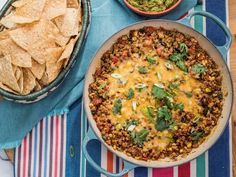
(38, 95)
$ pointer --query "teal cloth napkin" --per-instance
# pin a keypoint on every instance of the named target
(108, 16)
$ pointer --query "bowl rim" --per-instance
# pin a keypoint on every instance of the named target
(170, 163)
(59, 79)
(144, 13)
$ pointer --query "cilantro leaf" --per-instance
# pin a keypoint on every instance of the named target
(151, 60)
(132, 122)
(198, 68)
(173, 86)
(181, 65)
(196, 135)
(176, 57)
(179, 106)
(143, 70)
(164, 119)
(163, 112)
(183, 48)
(139, 137)
(148, 112)
(168, 103)
(188, 94)
(130, 94)
(117, 107)
(158, 92)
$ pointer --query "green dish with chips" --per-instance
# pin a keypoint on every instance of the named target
(22, 78)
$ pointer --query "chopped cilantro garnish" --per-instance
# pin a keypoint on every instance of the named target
(196, 135)
(179, 106)
(158, 92)
(198, 68)
(117, 107)
(132, 122)
(102, 86)
(130, 94)
(149, 112)
(181, 65)
(139, 137)
(183, 48)
(164, 119)
(143, 70)
(188, 94)
(151, 60)
(178, 57)
(168, 103)
(173, 86)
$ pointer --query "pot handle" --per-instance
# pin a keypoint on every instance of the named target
(223, 49)
(91, 136)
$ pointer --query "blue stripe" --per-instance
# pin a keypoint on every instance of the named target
(141, 172)
(214, 32)
(94, 149)
(117, 164)
(35, 149)
(219, 162)
(73, 135)
(45, 146)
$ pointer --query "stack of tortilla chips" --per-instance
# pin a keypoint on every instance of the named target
(36, 41)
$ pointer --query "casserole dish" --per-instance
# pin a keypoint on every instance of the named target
(218, 53)
(38, 95)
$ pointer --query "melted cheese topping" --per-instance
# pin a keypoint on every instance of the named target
(127, 76)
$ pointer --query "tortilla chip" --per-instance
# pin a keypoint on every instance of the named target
(4, 35)
(29, 12)
(37, 86)
(54, 8)
(53, 54)
(53, 69)
(20, 3)
(38, 50)
(68, 49)
(18, 55)
(17, 72)
(55, 34)
(7, 22)
(68, 24)
(37, 69)
(7, 76)
(73, 4)
(44, 80)
(28, 81)
(66, 62)
(6, 88)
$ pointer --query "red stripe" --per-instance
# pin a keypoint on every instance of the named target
(163, 172)
(56, 151)
(24, 156)
(19, 161)
(40, 148)
(184, 170)
(184, 15)
(109, 161)
(30, 153)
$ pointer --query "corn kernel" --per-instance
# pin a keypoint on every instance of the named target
(189, 145)
(118, 126)
(207, 90)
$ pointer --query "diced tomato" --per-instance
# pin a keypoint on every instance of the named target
(191, 50)
(125, 53)
(96, 101)
(115, 59)
(159, 50)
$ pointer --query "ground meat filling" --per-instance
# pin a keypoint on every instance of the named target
(157, 94)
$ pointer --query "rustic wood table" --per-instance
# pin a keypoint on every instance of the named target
(232, 20)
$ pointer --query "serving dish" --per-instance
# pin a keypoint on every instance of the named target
(218, 53)
(152, 14)
(38, 95)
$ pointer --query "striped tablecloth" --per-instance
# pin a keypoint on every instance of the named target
(53, 147)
